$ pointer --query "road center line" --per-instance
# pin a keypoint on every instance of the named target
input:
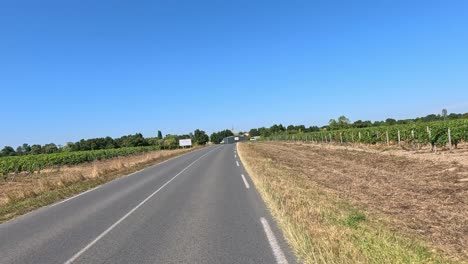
(79, 253)
(245, 181)
(237, 163)
(277, 252)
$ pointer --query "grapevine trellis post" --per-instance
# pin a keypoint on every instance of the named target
(429, 134)
(399, 138)
(449, 139)
(341, 138)
(388, 141)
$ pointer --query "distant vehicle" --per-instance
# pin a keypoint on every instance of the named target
(222, 142)
(253, 139)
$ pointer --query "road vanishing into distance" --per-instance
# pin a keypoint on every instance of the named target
(200, 207)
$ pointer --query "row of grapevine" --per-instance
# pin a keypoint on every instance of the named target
(434, 133)
(32, 163)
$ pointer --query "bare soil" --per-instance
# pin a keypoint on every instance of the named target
(416, 193)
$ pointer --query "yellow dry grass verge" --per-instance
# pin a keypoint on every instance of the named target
(24, 192)
(323, 228)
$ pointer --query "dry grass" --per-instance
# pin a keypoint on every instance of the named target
(339, 205)
(23, 192)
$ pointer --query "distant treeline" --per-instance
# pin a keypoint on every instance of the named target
(343, 123)
(217, 137)
(199, 137)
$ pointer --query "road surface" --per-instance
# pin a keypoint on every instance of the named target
(198, 208)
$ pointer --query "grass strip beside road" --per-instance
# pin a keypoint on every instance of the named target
(90, 176)
(320, 226)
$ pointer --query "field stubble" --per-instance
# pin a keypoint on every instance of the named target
(364, 205)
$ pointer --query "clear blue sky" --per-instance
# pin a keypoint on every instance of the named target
(82, 69)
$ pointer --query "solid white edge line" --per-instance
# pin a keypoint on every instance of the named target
(79, 253)
(245, 182)
(237, 163)
(133, 173)
(277, 252)
(73, 197)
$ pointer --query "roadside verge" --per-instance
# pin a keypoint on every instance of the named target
(322, 226)
(23, 193)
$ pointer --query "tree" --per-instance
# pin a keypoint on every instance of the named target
(225, 133)
(274, 129)
(19, 150)
(444, 113)
(170, 141)
(333, 124)
(429, 118)
(26, 148)
(215, 138)
(36, 149)
(404, 121)
(361, 124)
(109, 143)
(264, 132)
(281, 128)
(68, 147)
(160, 136)
(390, 121)
(254, 132)
(343, 121)
(379, 123)
(452, 116)
(136, 140)
(200, 137)
(300, 128)
(49, 148)
(8, 151)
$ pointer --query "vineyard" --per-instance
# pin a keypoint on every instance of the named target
(437, 134)
(32, 163)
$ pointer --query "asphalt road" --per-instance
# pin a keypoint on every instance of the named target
(197, 208)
